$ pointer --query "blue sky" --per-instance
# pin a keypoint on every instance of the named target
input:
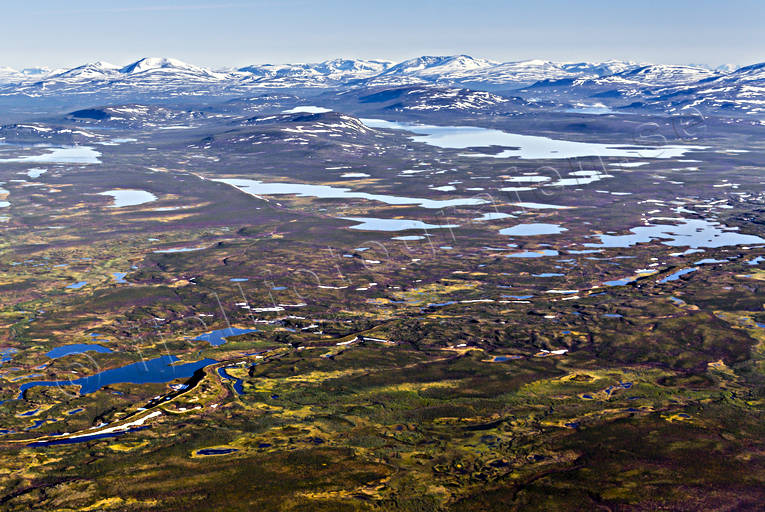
(231, 32)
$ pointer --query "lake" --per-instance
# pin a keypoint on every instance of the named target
(528, 147)
(532, 229)
(159, 370)
(76, 348)
(218, 337)
(61, 155)
(128, 197)
(692, 233)
(258, 188)
(375, 224)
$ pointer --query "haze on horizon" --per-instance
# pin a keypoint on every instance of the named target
(236, 33)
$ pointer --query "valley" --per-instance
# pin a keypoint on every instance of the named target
(442, 284)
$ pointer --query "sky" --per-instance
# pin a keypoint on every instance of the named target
(221, 33)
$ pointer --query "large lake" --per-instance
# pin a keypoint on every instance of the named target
(529, 147)
(258, 188)
(64, 155)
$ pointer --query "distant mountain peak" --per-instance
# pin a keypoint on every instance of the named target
(429, 65)
(150, 63)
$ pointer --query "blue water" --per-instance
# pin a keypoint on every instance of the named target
(60, 155)
(493, 216)
(178, 249)
(258, 188)
(77, 286)
(612, 315)
(676, 275)
(708, 261)
(756, 261)
(239, 279)
(119, 277)
(405, 238)
(375, 224)
(440, 304)
(533, 254)
(6, 354)
(532, 229)
(238, 384)
(532, 147)
(76, 348)
(129, 197)
(157, 370)
(547, 274)
(218, 337)
(620, 282)
(216, 451)
(75, 411)
(500, 359)
(518, 297)
(694, 233)
(40, 423)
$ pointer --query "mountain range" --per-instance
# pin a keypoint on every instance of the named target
(616, 84)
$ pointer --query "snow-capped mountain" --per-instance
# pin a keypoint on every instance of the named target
(655, 75)
(632, 87)
(727, 68)
(741, 92)
(10, 75)
(605, 68)
(172, 69)
(433, 68)
(326, 73)
(520, 73)
(621, 84)
(151, 74)
(477, 73)
(753, 73)
(429, 98)
(92, 71)
(344, 69)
